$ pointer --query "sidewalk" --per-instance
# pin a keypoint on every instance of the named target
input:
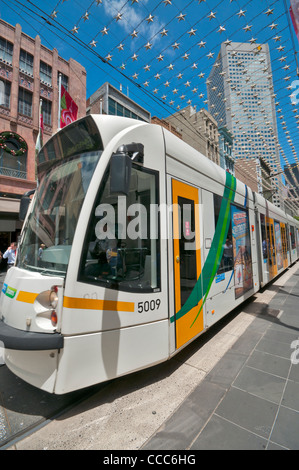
(250, 400)
(233, 388)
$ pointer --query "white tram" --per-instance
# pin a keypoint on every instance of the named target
(133, 245)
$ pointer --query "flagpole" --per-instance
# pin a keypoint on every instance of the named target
(59, 101)
(38, 140)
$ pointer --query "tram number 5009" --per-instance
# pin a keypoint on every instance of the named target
(149, 305)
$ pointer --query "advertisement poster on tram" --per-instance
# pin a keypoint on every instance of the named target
(278, 245)
(242, 251)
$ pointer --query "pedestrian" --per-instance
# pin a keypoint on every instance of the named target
(10, 255)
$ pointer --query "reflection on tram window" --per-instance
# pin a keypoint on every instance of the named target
(48, 237)
(227, 261)
(293, 241)
(265, 239)
(122, 249)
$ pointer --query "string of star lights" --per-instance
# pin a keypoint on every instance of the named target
(179, 54)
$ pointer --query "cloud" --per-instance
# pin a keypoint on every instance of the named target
(133, 15)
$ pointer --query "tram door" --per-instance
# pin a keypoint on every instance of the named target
(187, 260)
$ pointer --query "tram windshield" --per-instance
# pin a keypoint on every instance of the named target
(50, 227)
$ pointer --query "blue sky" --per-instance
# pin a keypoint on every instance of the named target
(147, 44)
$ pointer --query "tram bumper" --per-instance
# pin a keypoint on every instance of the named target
(31, 356)
(20, 340)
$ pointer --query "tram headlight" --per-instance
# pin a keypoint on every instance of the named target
(53, 299)
(46, 306)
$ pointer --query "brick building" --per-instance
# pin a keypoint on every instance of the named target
(28, 73)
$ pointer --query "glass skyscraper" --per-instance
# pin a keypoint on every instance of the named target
(241, 98)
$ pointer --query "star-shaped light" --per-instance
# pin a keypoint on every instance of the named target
(104, 31)
(269, 11)
(212, 15)
(148, 46)
(181, 17)
(150, 19)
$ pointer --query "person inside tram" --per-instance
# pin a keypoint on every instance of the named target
(228, 255)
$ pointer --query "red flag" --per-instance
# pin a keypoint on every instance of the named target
(294, 12)
(68, 110)
(41, 123)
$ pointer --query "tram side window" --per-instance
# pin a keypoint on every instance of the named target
(293, 241)
(122, 248)
(227, 261)
(284, 241)
(265, 238)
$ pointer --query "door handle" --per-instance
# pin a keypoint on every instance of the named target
(177, 259)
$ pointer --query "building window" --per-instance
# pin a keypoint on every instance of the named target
(5, 88)
(47, 112)
(117, 109)
(26, 62)
(6, 51)
(45, 73)
(25, 102)
(13, 160)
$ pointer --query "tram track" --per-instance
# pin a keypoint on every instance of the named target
(25, 409)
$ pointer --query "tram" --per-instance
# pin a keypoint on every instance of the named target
(133, 245)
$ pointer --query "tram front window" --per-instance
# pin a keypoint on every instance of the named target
(122, 248)
(50, 227)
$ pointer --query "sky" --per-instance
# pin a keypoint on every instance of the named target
(162, 51)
